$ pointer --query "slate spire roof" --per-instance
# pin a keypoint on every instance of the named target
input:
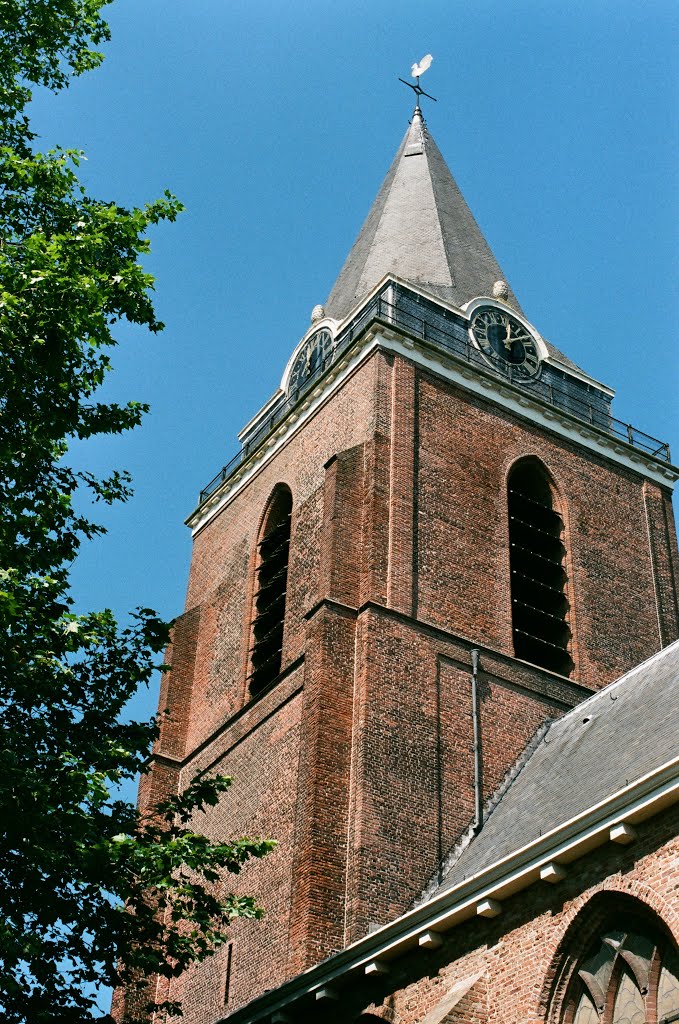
(419, 229)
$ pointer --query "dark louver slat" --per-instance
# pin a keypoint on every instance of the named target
(270, 595)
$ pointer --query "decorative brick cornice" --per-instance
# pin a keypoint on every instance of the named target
(446, 365)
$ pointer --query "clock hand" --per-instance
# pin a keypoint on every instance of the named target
(508, 340)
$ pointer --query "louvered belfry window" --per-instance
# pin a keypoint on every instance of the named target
(538, 576)
(271, 579)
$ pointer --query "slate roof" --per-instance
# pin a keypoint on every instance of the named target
(420, 230)
(610, 740)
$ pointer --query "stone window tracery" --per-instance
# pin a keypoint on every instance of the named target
(668, 987)
(586, 1011)
(628, 977)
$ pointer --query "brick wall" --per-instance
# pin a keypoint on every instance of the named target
(359, 760)
(220, 582)
(412, 764)
(411, 511)
(260, 752)
(466, 449)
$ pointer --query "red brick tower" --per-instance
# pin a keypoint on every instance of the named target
(431, 478)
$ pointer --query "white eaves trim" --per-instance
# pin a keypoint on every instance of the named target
(563, 845)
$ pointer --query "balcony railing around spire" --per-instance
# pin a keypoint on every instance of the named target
(393, 307)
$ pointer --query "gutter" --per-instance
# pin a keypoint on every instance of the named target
(478, 755)
(545, 858)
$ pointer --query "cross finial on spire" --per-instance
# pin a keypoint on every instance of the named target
(416, 71)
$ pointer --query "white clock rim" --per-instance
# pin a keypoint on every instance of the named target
(327, 324)
(470, 309)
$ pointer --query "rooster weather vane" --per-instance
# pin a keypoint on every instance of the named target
(416, 71)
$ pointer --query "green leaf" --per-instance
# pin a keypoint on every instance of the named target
(85, 880)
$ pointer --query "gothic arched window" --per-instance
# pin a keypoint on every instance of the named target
(629, 977)
(537, 554)
(271, 581)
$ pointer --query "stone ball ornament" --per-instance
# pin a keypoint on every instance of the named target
(317, 313)
(501, 291)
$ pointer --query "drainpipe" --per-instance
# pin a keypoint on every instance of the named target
(478, 771)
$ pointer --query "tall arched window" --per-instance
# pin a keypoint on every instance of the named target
(271, 580)
(537, 563)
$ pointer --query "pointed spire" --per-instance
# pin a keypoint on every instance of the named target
(419, 229)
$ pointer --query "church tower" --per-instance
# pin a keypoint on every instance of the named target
(435, 537)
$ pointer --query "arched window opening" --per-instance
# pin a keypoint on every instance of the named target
(538, 577)
(271, 580)
(628, 977)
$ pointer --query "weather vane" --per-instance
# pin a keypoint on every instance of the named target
(416, 71)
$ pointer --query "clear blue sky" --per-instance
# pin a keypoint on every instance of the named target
(275, 123)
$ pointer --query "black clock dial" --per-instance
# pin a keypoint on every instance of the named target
(311, 359)
(505, 342)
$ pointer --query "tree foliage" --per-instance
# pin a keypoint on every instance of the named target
(91, 891)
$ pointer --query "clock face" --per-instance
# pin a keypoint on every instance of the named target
(314, 355)
(505, 342)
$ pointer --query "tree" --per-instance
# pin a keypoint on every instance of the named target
(91, 891)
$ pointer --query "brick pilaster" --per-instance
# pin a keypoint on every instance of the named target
(400, 581)
(662, 551)
(318, 892)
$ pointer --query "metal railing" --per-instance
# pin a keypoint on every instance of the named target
(443, 330)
